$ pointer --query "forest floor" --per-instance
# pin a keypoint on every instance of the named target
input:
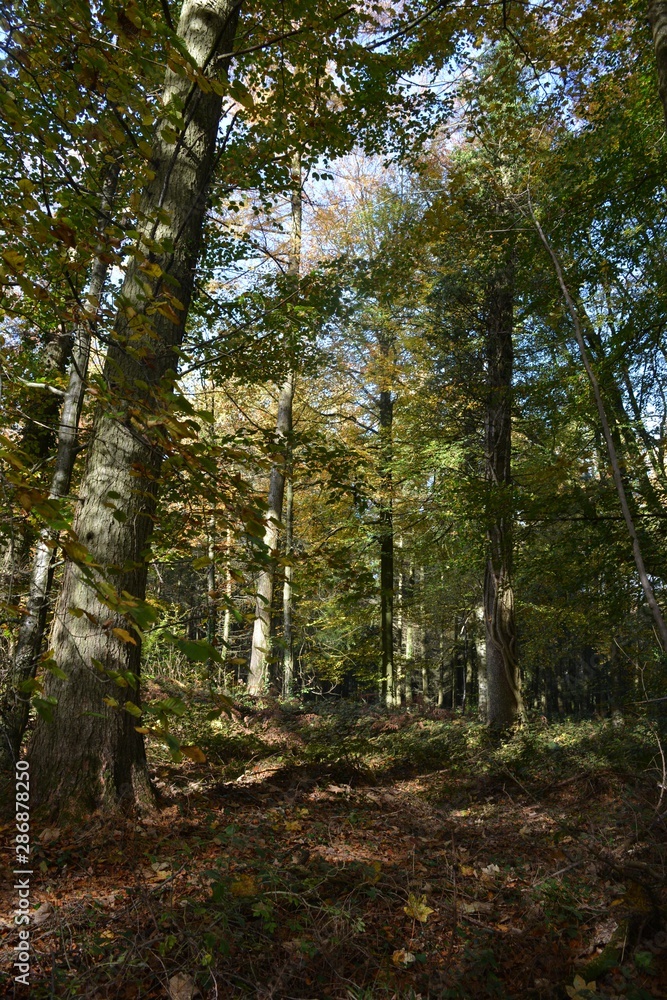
(337, 850)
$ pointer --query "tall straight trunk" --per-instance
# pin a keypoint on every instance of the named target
(91, 754)
(227, 617)
(482, 685)
(15, 705)
(288, 641)
(261, 632)
(211, 584)
(387, 549)
(617, 472)
(503, 692)
(657, 13)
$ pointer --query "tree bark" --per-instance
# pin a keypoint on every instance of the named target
(91, 754)
(657, 13)
(261, 633)
(15, 707)
(482, 684)
(288, 641)
(387, 548)
(227, 617)
(503, 691)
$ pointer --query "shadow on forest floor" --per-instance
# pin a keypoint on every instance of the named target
(340, 851)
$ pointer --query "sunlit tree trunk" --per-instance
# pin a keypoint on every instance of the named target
(211, 585)
(482, 686)
(15, 707)
(91, 754)
(503, 692)
(288, 655)
(261, 633)
(227, 617)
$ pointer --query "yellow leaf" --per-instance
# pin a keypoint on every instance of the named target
(402, 957)
(124, 635)
(195, 754)
(467, 870)
(166, 310)
(14, 259)
(417, 908)
(293, 825)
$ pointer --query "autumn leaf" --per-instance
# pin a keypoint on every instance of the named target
(182, 987)
(417, 908)
(401, 957)
(581, 989)
(64, 232)
(194, 754)
(124, 635)
(15, 260)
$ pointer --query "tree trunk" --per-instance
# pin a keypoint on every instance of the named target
(288, 656)
(91, 754)
(261, 633)
(482, 685)
(657, 12)
(503, 693)
(211, 585)
(387, 549)
(617, 472)
(15, 707)
(227, 617)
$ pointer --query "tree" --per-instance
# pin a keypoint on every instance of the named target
(15, 706)
(657, 12)
(504, 705)
(81, 760)
(261, 637)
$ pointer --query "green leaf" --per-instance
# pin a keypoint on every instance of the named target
(197, 650)
(44, 707)
(201, 562)
(133, 709)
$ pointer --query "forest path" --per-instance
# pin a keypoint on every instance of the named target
(350, 853)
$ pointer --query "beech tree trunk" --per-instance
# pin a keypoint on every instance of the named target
(227, 617)
(288, 655)
(503, 693)
(657, 12)
(91, 754)
(482, 684)
(387, 549)
(261, 632)
(15, 707)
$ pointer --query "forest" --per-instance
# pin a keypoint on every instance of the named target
(333, 483)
